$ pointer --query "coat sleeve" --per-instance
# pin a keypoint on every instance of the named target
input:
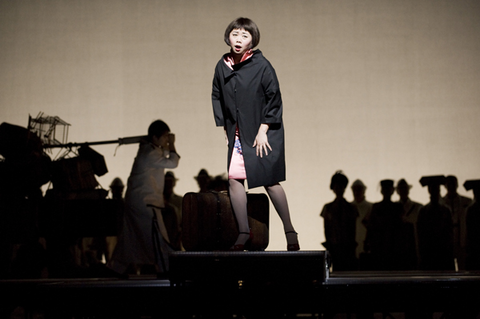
(217, 100)
(157, 158)
(171, 161)
(272, 111)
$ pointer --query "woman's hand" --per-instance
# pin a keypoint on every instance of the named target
(261, 141)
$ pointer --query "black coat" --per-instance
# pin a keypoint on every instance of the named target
(248, 96)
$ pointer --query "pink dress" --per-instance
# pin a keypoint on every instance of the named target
(237, 165)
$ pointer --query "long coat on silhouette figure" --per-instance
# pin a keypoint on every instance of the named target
(144, 197)
(248, 96)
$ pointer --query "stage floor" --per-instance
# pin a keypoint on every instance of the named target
(455, 294)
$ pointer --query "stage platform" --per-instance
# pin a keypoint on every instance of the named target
(249, 267)
(453, 294)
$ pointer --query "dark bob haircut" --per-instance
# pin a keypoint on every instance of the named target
(248, 25)
(157, 128)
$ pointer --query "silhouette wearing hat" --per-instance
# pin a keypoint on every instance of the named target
(203, 180)
(435, 229)
(411, 210)
(364, 208)
(458, 207)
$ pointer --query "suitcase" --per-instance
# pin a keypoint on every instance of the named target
(73, 174)
(208, 222)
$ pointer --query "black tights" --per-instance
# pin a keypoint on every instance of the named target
(277, 195)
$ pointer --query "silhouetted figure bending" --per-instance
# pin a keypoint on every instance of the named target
(435, 229)
(339, 219)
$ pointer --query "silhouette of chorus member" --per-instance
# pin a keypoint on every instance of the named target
(247, 103)
(364, 209)
(219, 183)
(473, 227)
(411, 210)
(94, 248)
(339, 219)
(144, 239)
(203, 180)
(458, 207)
(116, 189)
(435, 229)
(172, 215)
(385, 237)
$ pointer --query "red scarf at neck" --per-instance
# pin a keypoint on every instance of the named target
(230, 62)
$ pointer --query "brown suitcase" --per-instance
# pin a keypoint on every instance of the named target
(73, 174)
(208, 221)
